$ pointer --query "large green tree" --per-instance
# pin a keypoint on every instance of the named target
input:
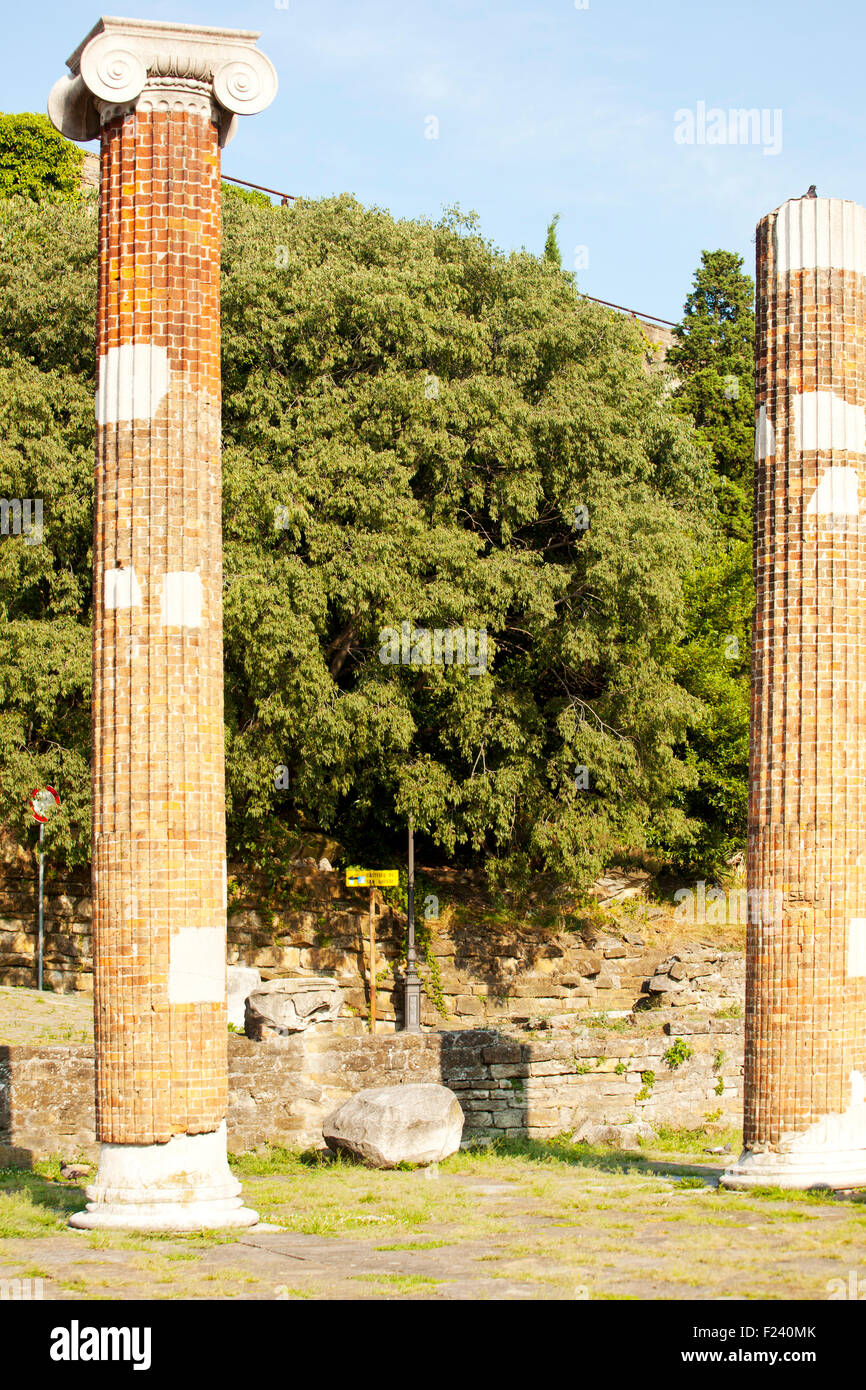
(714, 362)
(417, 429)
(35, 160)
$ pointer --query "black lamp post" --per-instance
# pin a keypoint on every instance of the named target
(412, 987)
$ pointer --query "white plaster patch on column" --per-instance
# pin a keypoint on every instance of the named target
(823, 420)
(181, 599)
(834, 1132)
(820, 234)
(856, 948)
(133, 382)
(836, 493)
(197, 966)
(765, 436)
(122, 589)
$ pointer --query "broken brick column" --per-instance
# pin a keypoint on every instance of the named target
(162, 98)
(805, 1074)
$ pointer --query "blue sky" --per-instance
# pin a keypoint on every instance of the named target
(541, 108)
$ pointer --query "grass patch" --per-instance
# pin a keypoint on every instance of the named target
(817, 1196)
(602, 1020)
(400, 1283)
(31, 1205)
(276, 1160)
(415, 1245)
(669, 1139)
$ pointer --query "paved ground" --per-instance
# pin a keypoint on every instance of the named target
(26, 1016)
(528, 1221)
(533, 1221)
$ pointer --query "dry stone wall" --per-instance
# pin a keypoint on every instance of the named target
(476, 973)
(282, 1089)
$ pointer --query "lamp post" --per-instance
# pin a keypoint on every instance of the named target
(412, 987)
(44, 800)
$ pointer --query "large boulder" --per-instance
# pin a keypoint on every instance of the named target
(242, 980)
(627, 1136)
(386, 1125)
(290, 1006)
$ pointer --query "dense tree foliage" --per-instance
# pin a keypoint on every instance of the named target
(35, 160)
(714, 361)
(417, 430)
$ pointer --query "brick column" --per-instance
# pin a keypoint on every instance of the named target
(805, 1116)
(162, 97)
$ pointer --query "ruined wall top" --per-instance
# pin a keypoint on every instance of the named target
(818, 234)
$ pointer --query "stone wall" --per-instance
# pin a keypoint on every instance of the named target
(478, 972)
(68, 914)
(281, 1089)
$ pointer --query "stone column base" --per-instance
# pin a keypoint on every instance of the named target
(803, 1169)
(184, 1185)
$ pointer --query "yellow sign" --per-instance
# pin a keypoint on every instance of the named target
(372, 878)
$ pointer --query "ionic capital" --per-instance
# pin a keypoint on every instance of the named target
(138, 64)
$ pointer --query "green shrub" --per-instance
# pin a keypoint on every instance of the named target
(35, 159)
(678, 1052)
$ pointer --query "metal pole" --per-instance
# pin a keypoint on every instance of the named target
(372, 968)
(412, 988)
(41, 913)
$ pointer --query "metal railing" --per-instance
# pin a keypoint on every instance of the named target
(285, 198)
(634, 313)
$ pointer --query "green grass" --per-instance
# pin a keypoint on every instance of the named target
(400, 1283)
(278, 1159)
(31, 1205)
(817, 1196)
(414, 1245)
(673, 1140)
(601, 1020)
(555, 1214)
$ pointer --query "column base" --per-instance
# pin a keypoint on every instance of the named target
(184, 1185)
(801, 1170)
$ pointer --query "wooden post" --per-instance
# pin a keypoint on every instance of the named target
(372, 968)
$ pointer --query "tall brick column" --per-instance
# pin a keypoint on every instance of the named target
(805, 1083)
(162, 97)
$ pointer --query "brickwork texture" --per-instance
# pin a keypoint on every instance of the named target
(158, 758)
(806, 991)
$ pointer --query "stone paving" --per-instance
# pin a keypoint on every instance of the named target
(532, 1221)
